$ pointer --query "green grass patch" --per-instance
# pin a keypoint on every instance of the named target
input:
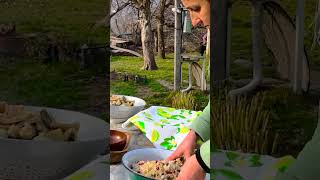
(294, 117)
(55, 85)
(123, 88)
(159, 99)
(158, 94)
(63, 17)
(133, 65)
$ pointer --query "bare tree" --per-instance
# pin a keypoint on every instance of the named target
(147, 40)
(118, 6)
(160, 23)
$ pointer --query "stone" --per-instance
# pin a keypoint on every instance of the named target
(166, 84)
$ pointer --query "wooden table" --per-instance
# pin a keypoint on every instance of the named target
(190, 59)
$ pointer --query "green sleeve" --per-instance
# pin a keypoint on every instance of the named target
(285, 176)
(205, 152)
(306, 166)
(201, 125)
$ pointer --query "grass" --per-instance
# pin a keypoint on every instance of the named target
(133, 65)
(123, 88)
(54, 85)
(294, 117)
(27, 80)
(62, 17)
(242, 124)
(152, 91)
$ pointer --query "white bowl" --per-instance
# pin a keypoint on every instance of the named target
(52, 160)
(120, 114)
(145, 154)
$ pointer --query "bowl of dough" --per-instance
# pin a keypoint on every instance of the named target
(150, 163)
(123, 107)
(41, 143)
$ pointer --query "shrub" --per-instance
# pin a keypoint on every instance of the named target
(193, 100)
(242, 123)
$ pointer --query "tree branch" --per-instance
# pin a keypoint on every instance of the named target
(169, 3)
(120, 8)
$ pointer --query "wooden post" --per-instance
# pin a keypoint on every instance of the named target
(299, 46)
(218, 41)
(177, 45)
(228, 58)
(83, 56)
(257, 18)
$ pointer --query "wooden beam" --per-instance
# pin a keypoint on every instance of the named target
(299, 46)
(218, 42)
(126, 50)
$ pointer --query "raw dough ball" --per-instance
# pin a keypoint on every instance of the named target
(3, 133)
(13, 131)
(70, 134)
(56, 135)
(42, 137)
(41, 127)
(27, 131)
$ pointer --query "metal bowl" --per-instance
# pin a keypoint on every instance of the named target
(50, 160)
(146, 154)
(119, 114)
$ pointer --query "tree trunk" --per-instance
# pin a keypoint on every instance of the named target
(161, 45)
(160, 24)
(137, 35)
(155, 35)
(147, 38)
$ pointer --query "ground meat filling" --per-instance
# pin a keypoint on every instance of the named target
(164, 170)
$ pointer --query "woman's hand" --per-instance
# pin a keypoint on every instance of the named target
(186, 148)
(191, 170)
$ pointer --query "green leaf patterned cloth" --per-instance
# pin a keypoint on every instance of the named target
(231, 165)
(165, 127)
(95, 170)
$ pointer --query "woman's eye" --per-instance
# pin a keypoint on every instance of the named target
(196, 9)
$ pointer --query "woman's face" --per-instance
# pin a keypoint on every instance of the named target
(199, 11)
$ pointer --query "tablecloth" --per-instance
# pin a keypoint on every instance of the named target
(165, 127)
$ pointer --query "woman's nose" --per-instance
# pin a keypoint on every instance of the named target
(196, 22)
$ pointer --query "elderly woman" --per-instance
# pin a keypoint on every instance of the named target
(305, 167)
(199, 163)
